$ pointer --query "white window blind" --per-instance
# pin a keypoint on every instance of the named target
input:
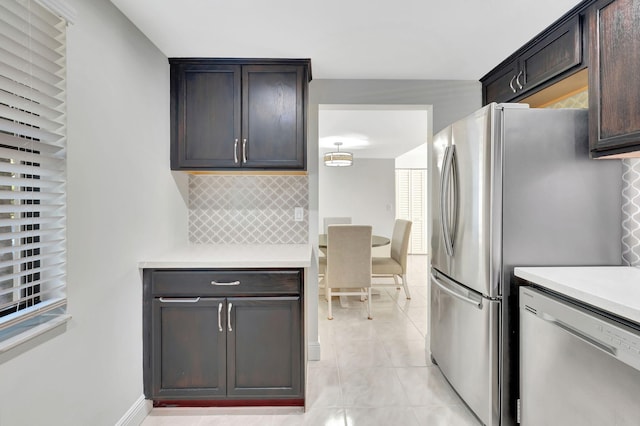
(411, 205)
(32, 165)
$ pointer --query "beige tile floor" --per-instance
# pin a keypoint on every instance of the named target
(371, 373)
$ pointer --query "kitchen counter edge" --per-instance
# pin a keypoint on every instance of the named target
(232, 256)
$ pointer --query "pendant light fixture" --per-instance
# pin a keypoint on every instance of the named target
(338, 158)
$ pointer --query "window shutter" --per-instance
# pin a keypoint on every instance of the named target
(418, 211)
(32, 162)
(410, 202)
(403, 194)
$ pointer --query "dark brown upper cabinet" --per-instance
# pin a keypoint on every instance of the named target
(235, 114)
(553, 55)
(498, 85)
(614, 86)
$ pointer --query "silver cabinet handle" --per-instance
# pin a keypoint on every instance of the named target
(229, 316)
(220, 317)
(518, 79)
(477, 304)
(228, 283)
(244, 150)
(235, 151)
(180, 300)
(513, 89)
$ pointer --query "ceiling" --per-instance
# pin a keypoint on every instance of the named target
(372, 131)
(353, 39)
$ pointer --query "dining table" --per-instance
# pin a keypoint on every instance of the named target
(376, 241)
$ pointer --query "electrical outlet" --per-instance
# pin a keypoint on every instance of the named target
(298, 214)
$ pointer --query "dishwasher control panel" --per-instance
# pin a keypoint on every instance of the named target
(623, 341)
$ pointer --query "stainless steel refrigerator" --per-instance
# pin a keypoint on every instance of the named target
(510, 186)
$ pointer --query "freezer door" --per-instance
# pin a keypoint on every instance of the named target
(476, 188)
(464, 331)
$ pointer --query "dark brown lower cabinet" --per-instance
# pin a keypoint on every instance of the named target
(245, 349)
(188, 352)
(264, 347)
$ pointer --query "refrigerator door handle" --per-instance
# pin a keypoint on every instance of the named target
(476, 303)
(453, 195)
(445, 198)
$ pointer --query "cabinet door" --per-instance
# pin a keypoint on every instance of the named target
(556, 53)
(188, 348)
(501, 86)
(264, 347)
(205, 116)
(614, 86)
(273, 127)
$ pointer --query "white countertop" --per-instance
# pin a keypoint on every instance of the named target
(233, 256)
(615, 289)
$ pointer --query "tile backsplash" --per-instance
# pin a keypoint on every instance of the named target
(577, 100)
(248, 209)
(631, 211)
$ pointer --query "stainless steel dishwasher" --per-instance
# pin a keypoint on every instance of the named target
(577, 366)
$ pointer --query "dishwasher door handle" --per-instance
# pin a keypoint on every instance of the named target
(611, 350)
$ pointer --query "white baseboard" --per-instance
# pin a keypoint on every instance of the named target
(313, 351)
(136, 413)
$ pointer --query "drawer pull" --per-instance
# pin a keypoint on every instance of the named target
(180, 300)
(229, 283)
(220, 317)
(229, 316)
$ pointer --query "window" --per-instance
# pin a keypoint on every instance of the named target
(411, 186)
(32, 168)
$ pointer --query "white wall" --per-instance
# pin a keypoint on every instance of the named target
(123, 205)
(417, 158)
(364, 191)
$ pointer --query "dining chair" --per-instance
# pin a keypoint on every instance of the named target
(335, 221)
(348, 263)
(395, 265)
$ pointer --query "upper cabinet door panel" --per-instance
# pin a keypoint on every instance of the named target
(614, 86)
(560, 51)
(273, 115)
(501, 86)
(207, 113)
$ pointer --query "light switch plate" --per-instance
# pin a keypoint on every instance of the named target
(298, 214)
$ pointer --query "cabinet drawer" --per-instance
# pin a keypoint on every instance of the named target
(223, 282)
